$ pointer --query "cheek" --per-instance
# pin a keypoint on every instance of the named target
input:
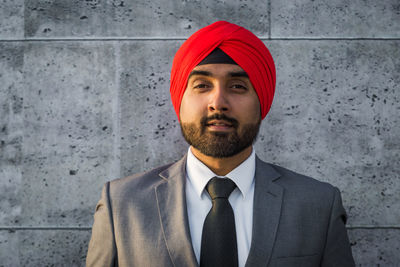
(256, 106)
(251, 113)
(190, 108)
(183, 109)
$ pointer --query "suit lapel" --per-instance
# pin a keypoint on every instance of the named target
(266, 214)
(171, 200)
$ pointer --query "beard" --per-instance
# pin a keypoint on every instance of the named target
(220, 144)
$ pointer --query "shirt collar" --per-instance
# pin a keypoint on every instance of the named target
(199, 174)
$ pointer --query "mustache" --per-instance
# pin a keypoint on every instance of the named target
(205, 120)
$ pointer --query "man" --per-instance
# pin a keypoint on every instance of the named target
(220, 205)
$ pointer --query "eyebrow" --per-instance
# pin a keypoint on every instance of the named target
(209, 74)
(200, 73)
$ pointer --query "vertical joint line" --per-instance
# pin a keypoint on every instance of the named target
(269, 19)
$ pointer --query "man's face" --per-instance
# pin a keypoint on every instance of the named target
(220, 111)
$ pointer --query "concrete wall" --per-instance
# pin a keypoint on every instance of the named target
(84, 98)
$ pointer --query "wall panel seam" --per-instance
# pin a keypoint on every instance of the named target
(269, 19)
(183, 38)
(85, 228)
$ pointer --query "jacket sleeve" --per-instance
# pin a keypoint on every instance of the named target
(102, 249)
(337, 251)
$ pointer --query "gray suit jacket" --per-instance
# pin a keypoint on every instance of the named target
(141, 220)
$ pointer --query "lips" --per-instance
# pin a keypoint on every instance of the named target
(219, 123)
(219, 126)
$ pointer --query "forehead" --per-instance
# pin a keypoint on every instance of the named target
(218, 69)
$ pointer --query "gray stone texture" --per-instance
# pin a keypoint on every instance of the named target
(69, 130)
(76, 112)
(11, 125)
(375, 247)
(11, 19)
(335, 18)
(43, 247)
(93, 18)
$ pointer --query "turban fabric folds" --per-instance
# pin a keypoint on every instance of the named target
(246, 49)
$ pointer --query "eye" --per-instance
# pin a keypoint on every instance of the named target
(200, 86)
(237, 87)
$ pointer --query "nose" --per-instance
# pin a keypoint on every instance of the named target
(218, 100)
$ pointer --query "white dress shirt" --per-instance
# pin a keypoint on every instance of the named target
(241, 200)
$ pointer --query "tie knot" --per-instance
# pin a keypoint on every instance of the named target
(220, 187)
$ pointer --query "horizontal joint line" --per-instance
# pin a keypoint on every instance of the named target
(351, 227)
(335, 38)
(180, 38)
(86, 228)
(19, 228)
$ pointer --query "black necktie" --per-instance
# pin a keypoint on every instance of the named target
(218, 241)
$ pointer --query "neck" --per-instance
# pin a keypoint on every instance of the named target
(222, 166)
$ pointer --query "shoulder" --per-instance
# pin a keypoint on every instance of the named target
(137, 184)
(291, 178)
(300, 185)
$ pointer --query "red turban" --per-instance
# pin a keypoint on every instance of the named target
(241, 45)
